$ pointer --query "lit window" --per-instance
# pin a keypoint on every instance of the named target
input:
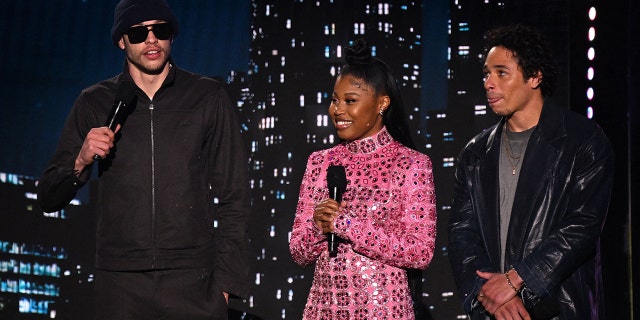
(590, 112)
(590, 73)
(591, 53)
(592, 13)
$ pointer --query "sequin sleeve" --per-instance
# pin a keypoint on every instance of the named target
(307, 241)
(395, 224)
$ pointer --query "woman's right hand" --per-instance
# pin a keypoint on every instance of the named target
(324, 214)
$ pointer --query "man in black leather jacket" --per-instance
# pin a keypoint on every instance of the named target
(531, 195)
(173, 195)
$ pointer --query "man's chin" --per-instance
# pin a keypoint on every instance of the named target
(155, 70)
(501, 112)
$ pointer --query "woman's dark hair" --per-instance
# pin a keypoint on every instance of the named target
(530, 50)
(360, 64)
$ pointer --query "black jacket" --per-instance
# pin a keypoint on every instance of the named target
(558, 213)
(178, 169)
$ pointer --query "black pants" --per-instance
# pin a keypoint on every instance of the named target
(159, 295)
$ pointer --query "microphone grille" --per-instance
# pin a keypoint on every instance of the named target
(336, 177)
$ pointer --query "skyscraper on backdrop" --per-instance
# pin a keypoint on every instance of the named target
(46, 259)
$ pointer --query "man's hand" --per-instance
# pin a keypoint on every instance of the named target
(496, 291)
(512, 309)
(98, 142)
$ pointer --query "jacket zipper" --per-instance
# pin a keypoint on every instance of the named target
(153, 191)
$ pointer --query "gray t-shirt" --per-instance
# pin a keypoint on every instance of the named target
(512, 148)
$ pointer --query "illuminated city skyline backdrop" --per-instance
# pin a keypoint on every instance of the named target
(279, 59)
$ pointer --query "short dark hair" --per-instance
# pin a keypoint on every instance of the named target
(530, 49)
(377, 74)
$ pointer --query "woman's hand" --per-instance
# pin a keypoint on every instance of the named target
(324, 214)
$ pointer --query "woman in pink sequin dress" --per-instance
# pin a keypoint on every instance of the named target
(386, 221)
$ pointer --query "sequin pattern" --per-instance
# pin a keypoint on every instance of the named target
(389, 223)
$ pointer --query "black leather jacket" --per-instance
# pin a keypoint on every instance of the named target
(558, 213)
(173, 156)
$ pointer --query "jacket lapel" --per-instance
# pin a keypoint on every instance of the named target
(537, 166)
(487, 171)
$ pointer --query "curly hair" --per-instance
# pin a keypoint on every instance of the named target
(373, 71)
(530, 49)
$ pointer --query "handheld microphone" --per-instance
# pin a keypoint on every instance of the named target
(337, 183)
(124, 98)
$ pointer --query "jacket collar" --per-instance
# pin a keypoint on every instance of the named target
(550, 127)
(551, 124)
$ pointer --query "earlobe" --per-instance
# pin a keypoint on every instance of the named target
(384, 103)
(121, 43)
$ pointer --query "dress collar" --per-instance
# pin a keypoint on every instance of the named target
(370, 144)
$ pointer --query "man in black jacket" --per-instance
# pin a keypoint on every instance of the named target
(531, 195)
(173, 196)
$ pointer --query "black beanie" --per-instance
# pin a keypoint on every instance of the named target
(130, 12)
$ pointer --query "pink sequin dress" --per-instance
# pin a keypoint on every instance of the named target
(389, 223)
